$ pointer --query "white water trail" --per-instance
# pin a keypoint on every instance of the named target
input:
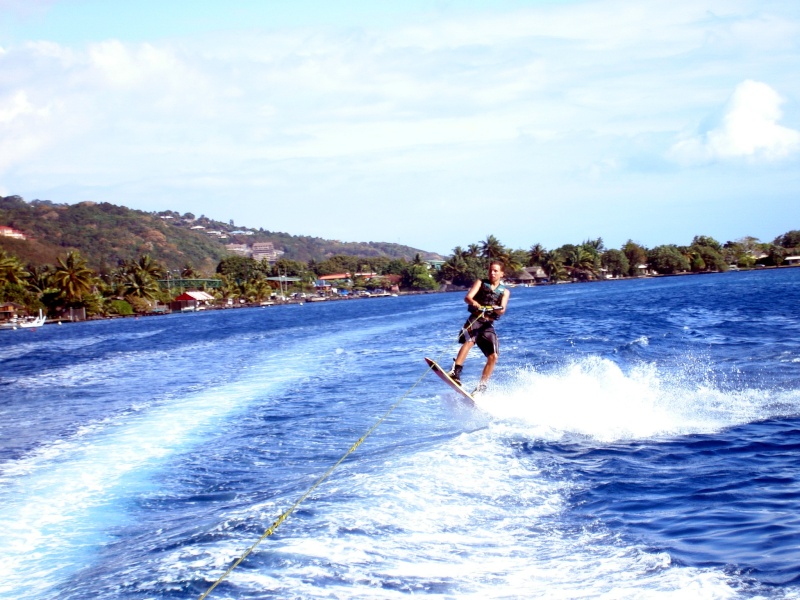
(593, 397)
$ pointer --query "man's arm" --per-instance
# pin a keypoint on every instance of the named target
(470, 297)
(503, 302)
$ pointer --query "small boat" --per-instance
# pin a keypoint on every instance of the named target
(28, 323)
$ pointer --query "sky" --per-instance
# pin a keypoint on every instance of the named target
(428, 123)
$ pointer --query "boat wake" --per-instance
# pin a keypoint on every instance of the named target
(595, 398)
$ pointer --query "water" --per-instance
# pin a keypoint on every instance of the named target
(640, 441)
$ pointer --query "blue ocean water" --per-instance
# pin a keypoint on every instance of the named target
(639, 440)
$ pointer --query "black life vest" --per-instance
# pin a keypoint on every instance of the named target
(486, 296)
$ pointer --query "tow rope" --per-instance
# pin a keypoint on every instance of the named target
(481, 313)
(316, 484)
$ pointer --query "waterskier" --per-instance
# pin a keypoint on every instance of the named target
(487, 301)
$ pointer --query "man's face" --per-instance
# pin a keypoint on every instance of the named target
(495, 273)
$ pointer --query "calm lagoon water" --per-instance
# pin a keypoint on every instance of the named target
(640, 440)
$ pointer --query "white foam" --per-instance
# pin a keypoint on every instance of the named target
(56, 500)
(593, 397)
(466, 518)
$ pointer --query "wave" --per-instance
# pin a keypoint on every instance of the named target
(595, 398)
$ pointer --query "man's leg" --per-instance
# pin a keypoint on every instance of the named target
(490, 347)
(463, 351)
(455, 372)
(491, 361)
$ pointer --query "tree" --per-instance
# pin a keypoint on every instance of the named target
(696, 261)
(636, 256)
(237, 267)
(776, 255)
(616, 262)
(290, 268)
(790, 239)
(492, 248)
(742, 252)
(10, 269)
(339, 263)
(139, 284)
(595, 246)
(707, 241)
(463, 267)
(667, 259)
(139, 279)
(581, 263)
(706, 256)
(147, 266)
(188, 272)
(73, 278)
(417, 277)
(553, 266)
(536, 255)
(261, 290)
(39, 278)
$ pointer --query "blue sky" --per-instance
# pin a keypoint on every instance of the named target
(432, 124)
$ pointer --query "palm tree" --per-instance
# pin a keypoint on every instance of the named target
(39, 278)
(594, 246)
(140, 285)
(73, 278)
(147, 265)
(139, 278)
(10, 269)
(261, 290)
(492, 248)
(513, 261)
(536, 255)
(585, 262)
(553, 266)
(188, 272)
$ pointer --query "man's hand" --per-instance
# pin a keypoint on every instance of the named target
(491, 311)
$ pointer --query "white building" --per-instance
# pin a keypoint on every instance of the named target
(11, 232)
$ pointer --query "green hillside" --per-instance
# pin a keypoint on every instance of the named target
(106, 234)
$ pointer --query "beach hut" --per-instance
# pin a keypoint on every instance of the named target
(191, 301)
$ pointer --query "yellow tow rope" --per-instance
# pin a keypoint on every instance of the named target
(325, 475)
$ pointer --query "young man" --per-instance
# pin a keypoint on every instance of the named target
(487, 301)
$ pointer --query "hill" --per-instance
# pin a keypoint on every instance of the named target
(106, 234)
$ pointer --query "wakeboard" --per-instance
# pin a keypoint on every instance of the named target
(447, 379)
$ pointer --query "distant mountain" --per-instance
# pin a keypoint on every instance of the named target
(106, 234)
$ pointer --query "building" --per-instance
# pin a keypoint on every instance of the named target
(191, 301)
(266, 251)
(9, 310)
(11, 232)
(240, 249)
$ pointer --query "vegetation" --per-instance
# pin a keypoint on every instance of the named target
(107, 235)
(123, 277)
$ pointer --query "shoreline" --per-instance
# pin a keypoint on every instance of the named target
(301, 302)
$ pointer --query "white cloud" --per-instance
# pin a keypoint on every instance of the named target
(134, 66)
(22, 128)
(554, 104)
(15, 106)
(748, 129)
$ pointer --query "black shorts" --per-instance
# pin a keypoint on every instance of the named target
(480, 332)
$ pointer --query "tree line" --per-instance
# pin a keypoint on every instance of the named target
(591, 259)
(136, 285)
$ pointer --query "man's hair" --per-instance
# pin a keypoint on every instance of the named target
(500, 263)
